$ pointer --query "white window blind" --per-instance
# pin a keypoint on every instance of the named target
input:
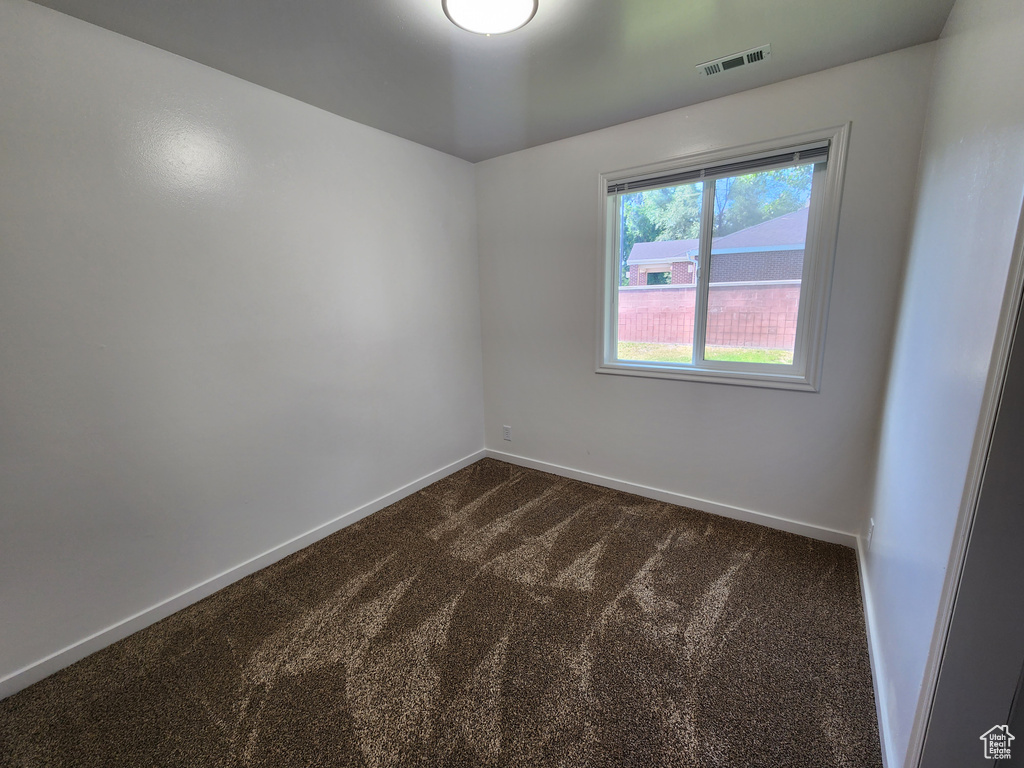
(816, 153)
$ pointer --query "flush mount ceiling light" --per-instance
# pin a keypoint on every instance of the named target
(489, 17)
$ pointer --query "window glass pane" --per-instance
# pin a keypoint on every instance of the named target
(757, 257)
(657, 276)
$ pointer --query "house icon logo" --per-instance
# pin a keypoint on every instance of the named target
(997, 742)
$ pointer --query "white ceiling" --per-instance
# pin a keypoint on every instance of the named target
(402, 67)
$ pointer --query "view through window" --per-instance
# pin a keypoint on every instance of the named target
(756, 259)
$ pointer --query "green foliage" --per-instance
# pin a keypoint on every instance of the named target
(744, 201)
(749, 355)
(678, 217)
(669, 213)
(673, 213)
(683, 353)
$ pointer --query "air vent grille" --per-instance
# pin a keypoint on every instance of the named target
(735, 60)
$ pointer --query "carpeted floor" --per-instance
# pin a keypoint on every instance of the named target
(500, 617)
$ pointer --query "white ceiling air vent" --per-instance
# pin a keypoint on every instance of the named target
(741, 59)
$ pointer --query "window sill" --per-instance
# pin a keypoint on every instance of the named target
(768, 380)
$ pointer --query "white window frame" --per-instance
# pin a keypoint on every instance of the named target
(819, 257)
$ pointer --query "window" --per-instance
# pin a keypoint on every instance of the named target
(718, 266)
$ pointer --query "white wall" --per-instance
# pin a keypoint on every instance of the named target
(226, 318)
(971, 187)
(807, 457)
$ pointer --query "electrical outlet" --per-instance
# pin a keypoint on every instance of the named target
(506, 432)
(871, 532)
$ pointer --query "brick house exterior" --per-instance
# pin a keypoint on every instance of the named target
(771, 250)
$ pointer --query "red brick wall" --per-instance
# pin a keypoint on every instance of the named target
(739, 315)
(682, 273)
(661, 313)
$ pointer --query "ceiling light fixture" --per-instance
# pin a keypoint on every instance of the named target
(489, 17)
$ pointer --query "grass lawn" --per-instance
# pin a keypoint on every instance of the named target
(683, 353)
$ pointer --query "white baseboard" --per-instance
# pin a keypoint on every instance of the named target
(889, 759)
(45, 667)
(723, 510)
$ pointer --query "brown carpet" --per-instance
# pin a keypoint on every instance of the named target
(500, 617)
